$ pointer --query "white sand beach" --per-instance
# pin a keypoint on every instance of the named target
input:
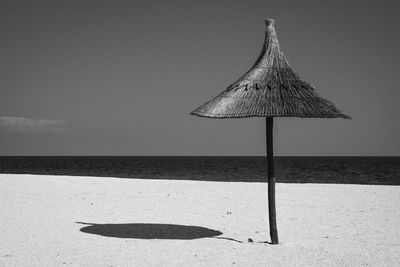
(318, 224)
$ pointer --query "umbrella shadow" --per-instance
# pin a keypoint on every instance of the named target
(149, 231)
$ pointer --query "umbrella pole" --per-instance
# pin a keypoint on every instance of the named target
(273, 231)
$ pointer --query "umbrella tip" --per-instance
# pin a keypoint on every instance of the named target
(269, 22)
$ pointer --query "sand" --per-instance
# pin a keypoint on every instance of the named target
(319, 224)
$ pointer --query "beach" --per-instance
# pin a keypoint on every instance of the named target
(98, 221)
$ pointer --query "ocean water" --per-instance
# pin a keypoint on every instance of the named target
(343, 170)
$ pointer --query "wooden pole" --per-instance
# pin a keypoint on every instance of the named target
(273, 231)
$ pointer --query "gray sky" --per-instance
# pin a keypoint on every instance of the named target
(121, 77)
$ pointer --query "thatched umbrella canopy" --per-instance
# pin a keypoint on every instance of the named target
(270, 89)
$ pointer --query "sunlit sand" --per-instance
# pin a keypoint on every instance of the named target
(91, 221)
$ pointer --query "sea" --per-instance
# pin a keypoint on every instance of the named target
(338, 170)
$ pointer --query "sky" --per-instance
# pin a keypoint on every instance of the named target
(96, 77)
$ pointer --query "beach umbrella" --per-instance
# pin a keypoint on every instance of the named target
(270, 89)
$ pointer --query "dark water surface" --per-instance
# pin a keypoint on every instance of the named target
(343, 170)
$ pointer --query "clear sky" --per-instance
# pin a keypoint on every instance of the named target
(117, 77)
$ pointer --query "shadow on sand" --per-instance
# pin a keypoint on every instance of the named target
(149, 231)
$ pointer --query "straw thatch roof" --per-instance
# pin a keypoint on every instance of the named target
(270, 89)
